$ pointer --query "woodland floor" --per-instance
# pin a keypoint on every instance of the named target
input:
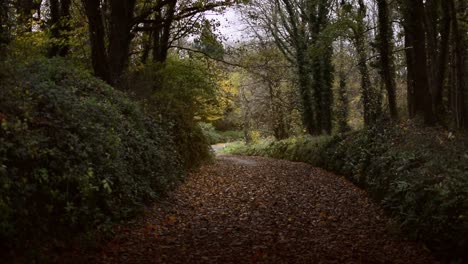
(261, 210)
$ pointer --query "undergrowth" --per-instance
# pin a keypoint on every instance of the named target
(77, 155)
(215, 136)
(420, 176)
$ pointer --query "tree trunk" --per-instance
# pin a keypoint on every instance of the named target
(97, 39)
(369, 98)
(4, 29)
(458, 71)
(308, 117)
(342, 113)
(422, 99)
(162, 34)
(387, 69)
(410, 94)
(120, 38)
(59, 27)
(322, 69)
(443, 55)
(327, 93)
(147, 44)
(110, 64)
(437, 37)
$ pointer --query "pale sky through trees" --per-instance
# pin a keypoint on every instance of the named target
(231, 26)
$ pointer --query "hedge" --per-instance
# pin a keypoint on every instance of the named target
(419, 175)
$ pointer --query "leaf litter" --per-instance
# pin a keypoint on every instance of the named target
(262, 210)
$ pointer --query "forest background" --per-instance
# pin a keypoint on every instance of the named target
(106, 105)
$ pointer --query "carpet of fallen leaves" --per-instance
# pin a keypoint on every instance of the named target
(260, 210)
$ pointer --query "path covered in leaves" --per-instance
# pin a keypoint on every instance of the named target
(260, 210)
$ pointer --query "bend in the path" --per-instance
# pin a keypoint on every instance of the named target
(260, 210)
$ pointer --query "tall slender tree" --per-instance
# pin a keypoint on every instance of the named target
(297, 28)
(342, 112)
(370, 98)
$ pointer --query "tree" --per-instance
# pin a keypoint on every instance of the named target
(208, 42)
(322, 68)
(297, 28)
(269, 89)
(458, 94)
(433, 41)
(420, 99)
(97, 33)
(342, 113)
(357, 24)
(25, 10)
(124, 19)
(4, 28)
(385, 47)
(59, 27)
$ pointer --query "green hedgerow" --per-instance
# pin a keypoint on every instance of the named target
(417, 174)
(75, 153)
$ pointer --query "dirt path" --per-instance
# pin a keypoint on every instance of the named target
(259, 210)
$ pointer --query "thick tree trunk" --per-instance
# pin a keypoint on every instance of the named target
(54, 9)
(120, 38)
(327, 94)
(459, 92)
(4, 29)
(59, 27)
(387, 69)
(162, 34)
(322, 69)
(308, 116)
(110, 64)
(443, 56)
(422, 99)
(97, 38)
(437, 37)
(157, 38)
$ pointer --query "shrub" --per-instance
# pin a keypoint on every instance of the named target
(305, 148)
(418, 175)
(214, 136)
(176, 92)
(75, 154)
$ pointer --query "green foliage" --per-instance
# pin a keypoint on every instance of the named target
(180, 92)
(208, 42)
(214, 136)
(28, 46)
(178, 83)
(189, 140)
(74, 153)
(421, 178)
(305, 149)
